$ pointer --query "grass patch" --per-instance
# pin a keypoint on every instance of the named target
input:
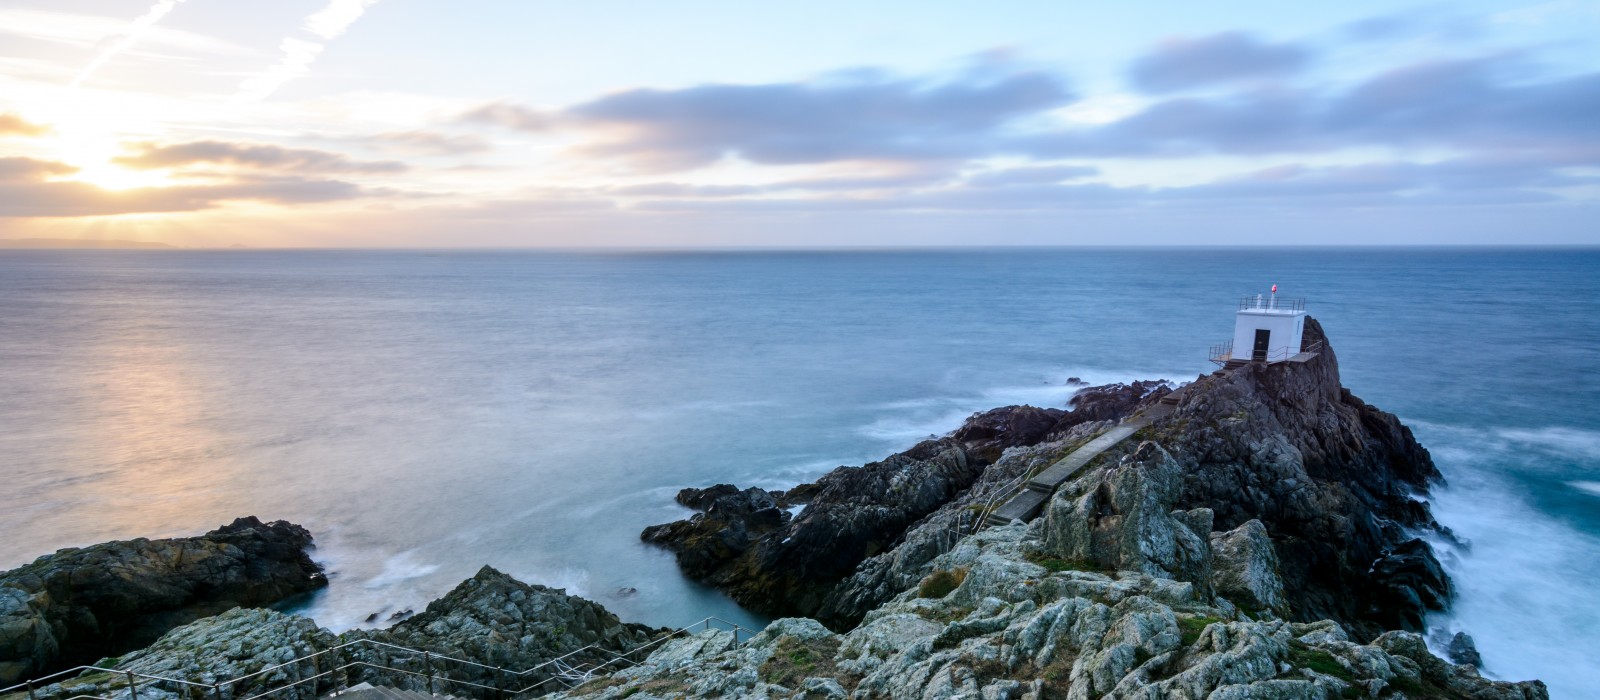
(1056, 565)
(944, 616)
(1302, 655)
(1189, 628)
(940, 583)
(794, 661)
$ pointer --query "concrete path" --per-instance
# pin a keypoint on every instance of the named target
(1027, 502)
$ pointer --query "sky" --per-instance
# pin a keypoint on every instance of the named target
(418, 123)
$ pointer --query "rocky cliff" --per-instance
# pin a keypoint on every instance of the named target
(78, 605)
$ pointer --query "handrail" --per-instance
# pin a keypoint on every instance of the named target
(34, 685)
(1272, 303)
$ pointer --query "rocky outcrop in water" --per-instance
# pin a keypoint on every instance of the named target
(78, 605)
(773, 563)
(1021, 624)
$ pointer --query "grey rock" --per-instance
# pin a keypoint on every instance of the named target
(1245, 567)
(1122, 518)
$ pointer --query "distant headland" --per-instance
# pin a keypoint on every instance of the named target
(77, 243)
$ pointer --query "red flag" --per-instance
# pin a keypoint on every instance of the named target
(1274, 289)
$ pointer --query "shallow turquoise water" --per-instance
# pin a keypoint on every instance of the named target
(425, 413)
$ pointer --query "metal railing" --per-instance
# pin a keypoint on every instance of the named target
(1222, 353)
(570, 670)
(1271, 303)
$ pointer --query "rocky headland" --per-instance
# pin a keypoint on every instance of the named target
(1260, 538)
(1321, 483)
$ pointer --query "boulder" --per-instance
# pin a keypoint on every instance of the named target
(1122, 518)
(1245, 567)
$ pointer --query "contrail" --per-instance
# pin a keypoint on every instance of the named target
(298, 54)
(144, 22)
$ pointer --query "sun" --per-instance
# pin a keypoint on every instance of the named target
(93, 153)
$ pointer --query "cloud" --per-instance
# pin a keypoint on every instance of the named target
(1476, 105)
(1030, 175)
(819, 184)
(75, 199)
(1182, 63)
(298, 55)
(336, 18)
(510, 116)
(14, 125)
(252, 156)
(429, 143)
(135, 30)
(857, 116)
(15, 169)
(330, 22)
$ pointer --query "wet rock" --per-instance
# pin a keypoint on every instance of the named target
(1463, 650)
(78, 605)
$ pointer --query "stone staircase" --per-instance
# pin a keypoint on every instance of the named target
(1026, 504)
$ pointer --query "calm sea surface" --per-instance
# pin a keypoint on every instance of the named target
(426, 413)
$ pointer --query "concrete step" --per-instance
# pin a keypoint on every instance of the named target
(367, 691)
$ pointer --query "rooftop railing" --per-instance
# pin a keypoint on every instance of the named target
(1271, 303)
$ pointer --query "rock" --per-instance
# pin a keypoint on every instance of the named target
(1111, 402)
(79, 605)
(1014, 629)
(1245, 567)
(1122, 518)
(1463, 650)
(1446, 677)
(496, 620)
(627, 592)
(991, 432)
(701, 499)
(401, 615)
(733, 520)
(777, 565)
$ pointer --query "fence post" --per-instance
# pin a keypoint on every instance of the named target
(341, 674)
(427, 658)
(133, 689)
(216, 691)
(30, 691)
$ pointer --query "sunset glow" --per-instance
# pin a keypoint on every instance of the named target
(493, 123)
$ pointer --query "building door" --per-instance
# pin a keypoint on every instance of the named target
(1259, 354)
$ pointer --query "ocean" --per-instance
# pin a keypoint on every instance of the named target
(425, 413)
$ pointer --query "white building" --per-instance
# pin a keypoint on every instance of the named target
(1267, 328)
